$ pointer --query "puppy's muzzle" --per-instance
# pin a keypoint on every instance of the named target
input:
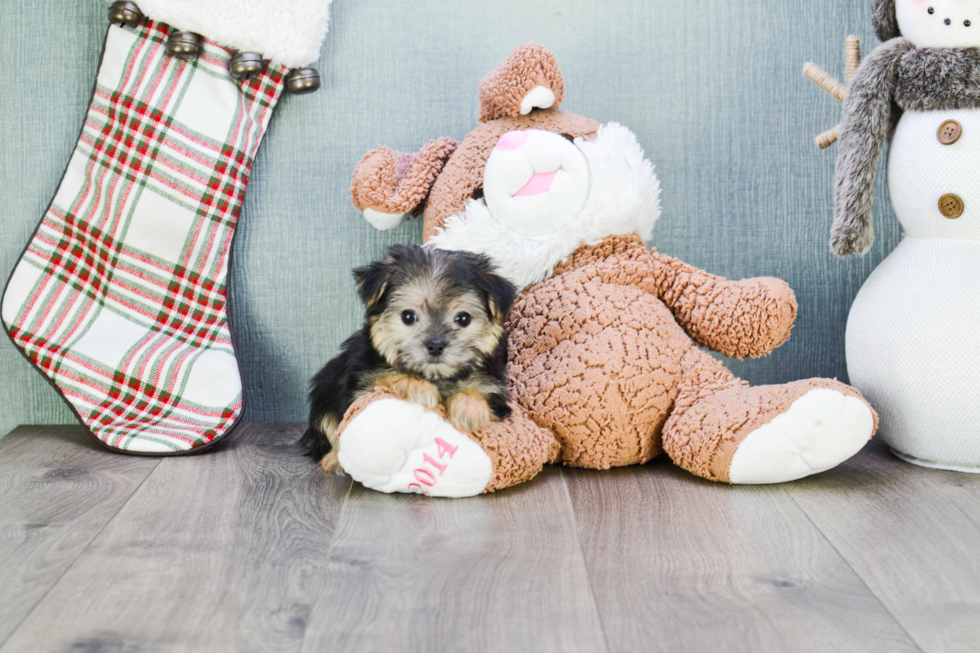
(435, 347)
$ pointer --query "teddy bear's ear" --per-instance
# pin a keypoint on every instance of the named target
(529, 79)
(884, 20)
(389, 186)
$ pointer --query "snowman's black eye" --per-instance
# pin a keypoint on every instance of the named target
(931, 11)
(966, 22)
(948, 21)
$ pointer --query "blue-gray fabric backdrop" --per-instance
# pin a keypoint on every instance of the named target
(712, 88)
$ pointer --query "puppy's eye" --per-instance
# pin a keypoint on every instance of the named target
(463, 320)
(409, 317)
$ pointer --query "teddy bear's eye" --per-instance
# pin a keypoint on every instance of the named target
(409, 317)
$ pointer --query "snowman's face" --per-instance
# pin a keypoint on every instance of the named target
(940, 23)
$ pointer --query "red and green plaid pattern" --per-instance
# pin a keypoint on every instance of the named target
(120, 298)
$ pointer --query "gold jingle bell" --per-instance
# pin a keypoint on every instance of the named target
(246, 65)
(302, 80)
(184, 45)
(125, 13)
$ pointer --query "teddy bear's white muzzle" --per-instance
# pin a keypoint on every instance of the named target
(535, 182)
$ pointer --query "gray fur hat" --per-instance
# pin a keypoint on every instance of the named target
(884, 20)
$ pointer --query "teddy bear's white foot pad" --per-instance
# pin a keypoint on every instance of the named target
(398, 446)
(385, 221)
(820, 430)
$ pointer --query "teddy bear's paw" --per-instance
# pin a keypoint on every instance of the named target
(385, 221)
(397, 446)
(820, 430)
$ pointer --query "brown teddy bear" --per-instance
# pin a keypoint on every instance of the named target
(604, 362)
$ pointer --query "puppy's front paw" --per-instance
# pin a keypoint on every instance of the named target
(469, 410)
(418, 391)
(423, 393)
(331, 464)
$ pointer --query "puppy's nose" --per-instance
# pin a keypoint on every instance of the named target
(435, 347)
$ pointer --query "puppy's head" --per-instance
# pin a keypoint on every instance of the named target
(434, 313)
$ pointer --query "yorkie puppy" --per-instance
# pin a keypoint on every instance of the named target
(434, 331)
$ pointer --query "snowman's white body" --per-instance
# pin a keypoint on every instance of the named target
(913, 335)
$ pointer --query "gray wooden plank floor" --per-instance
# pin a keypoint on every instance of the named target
(218, 552)
(503, 573)
(58, 490)
(250, 547)
(741, 569)
(912, 537)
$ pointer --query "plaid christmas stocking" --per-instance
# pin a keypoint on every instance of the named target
(120, 298)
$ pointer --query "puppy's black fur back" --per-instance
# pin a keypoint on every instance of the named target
(334, 388)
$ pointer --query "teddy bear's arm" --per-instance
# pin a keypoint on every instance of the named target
(741, 319)
(389, 186)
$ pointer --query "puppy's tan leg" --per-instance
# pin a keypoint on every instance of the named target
(469, 410)
(412, 388)
(328, 427)
(330, 464)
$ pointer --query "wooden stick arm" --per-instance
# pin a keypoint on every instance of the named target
(813, 72)
(816, 74)
(852, 56)
(828, 138)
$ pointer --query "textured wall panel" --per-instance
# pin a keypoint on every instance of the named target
(712, 89)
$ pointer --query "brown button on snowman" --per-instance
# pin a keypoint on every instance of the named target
(949, 132)
(913, 334)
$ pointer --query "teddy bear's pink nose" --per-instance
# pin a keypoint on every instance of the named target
(512, 140)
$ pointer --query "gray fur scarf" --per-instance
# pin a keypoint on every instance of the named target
(896, 77)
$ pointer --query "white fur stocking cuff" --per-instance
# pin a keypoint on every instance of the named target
(287, 32)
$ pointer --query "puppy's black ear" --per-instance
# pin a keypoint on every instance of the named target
(500, 293)
(372, 282)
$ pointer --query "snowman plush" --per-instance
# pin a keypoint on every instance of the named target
(913, 335)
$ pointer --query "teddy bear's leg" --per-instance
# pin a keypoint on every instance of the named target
(392, 445)
(724, 430)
